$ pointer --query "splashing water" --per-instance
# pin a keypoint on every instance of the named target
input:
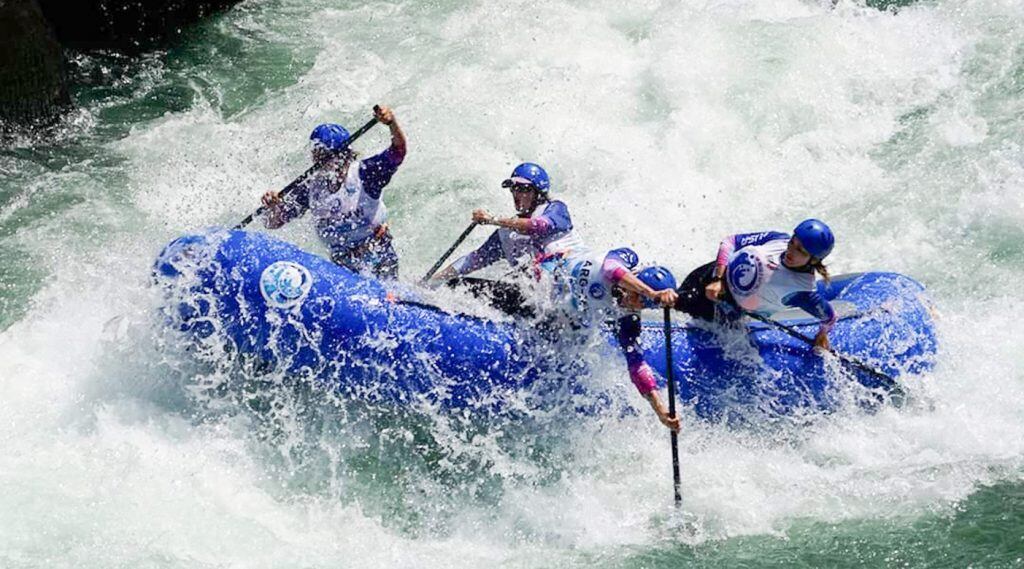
(664, 127)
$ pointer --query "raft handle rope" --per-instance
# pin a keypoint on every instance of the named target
(309, 172)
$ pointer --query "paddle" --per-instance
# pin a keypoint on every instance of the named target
(672, 405)
(448, 253)
(302, 177)
(889, 382)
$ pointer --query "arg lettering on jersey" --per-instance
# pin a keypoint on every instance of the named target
(285, 284)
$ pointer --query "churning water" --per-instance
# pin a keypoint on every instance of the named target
(665, 126)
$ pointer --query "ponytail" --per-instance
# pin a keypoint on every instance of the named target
(821, 270)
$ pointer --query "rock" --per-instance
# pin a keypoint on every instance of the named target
(32, 84)
(124, 25)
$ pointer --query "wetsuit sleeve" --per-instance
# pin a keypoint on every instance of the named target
(554, 220)
(628, 334)
(815, 305)
(376, 171)
(617, 263)
(741, 240)
(485, 255)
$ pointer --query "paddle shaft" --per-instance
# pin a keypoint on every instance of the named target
(448, 253)
(302, 177)
(886, 379)
(669, 375)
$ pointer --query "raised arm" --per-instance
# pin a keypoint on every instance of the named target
(386, 116)
(376, 171)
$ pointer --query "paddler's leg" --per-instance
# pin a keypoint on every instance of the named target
(506, 297)
(692, 299)
(384, 257)
(345, 258)
(377, 258)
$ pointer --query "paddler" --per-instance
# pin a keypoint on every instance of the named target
(609, 290)
(344, 198)
(541, 226)
(763, 273)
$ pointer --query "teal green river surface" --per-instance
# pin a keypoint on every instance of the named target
(665, 126)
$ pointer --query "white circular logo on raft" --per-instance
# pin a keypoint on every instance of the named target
(745, 273)
(285, 284)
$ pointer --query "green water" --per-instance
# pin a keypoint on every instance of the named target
(666, 127)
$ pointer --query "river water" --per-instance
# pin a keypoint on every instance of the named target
(665, 126)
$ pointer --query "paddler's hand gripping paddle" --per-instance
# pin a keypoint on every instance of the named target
(302, 177)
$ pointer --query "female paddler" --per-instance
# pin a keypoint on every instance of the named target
(763, 273)
(609, 290)
(541, 226)
(344, 198)
(588, 291)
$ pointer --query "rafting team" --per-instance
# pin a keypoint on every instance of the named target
(762, 272)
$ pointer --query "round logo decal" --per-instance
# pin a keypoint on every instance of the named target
(597, 291)
(745, 273)
(285, 284)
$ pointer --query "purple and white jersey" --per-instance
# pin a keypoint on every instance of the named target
(346, 212)
(550, 233)
(585, 286)
(584, 283)
(760, 282)
(345, 216)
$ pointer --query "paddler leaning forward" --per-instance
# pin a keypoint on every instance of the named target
(763, 273)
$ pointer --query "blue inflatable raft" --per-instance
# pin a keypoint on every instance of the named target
(299, 313)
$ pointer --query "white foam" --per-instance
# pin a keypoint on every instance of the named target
(664, 128)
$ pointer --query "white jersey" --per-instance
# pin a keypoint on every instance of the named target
(515, 245)
(345, 216)
(760, 282)
(583, 289)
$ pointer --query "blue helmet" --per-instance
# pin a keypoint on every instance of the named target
(330, 136)
(816, 238)
(529, 173)
(658, 278)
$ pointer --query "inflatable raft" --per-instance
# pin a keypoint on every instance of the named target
(302, 315)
